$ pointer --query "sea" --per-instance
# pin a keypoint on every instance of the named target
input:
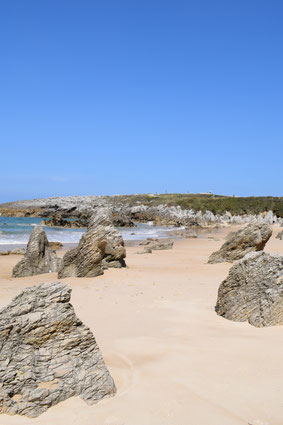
(15, 232)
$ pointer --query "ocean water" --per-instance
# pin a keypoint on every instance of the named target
(16, 231)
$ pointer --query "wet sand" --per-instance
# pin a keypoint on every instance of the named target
(174, 361)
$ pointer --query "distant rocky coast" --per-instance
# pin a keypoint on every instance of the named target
(126, 210)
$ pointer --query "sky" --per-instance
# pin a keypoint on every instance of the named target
(140, 96)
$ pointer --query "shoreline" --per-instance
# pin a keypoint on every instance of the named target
(130, 236)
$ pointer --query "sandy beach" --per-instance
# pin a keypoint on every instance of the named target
(174, 361)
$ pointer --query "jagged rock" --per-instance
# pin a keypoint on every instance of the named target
(148, 241)
(280, 235)
(151, 244)
(191, 234)
(100, 247)
(128, 209)
(85, 260)
(17, 251)
(121, 218)
(56, 245)
(58, 221)
(146, 250)
(252, 238)
(158, 246)
(39, 257)
(47, 354)
(253, 291)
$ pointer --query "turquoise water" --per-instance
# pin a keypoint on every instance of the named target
(16, 231)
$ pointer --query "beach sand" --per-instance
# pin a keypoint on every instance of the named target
(174, 361)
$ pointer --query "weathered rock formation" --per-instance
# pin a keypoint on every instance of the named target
(121, 218)
(47, 354)
(253, 291)
(146, 250)
(148, 241)
(39, 257)
(280, 235)
(128, 209)
(56, 245)
(152, 244)
(100, 247)
(58, 221)
(252, 238)
(17, 251)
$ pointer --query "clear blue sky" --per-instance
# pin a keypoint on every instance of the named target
(135, 96)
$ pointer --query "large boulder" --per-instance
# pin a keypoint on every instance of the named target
(47, 354)
(280, 235)
(39, 256)
(252, 238)
(100, 247)
(253, 291)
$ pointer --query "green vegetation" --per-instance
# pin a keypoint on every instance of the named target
(216, 203)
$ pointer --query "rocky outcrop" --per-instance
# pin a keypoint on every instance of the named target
(253, 291)
(18, 251)
(176, 216)
(22, 212)
(56, 245)
(148, 241)
(146, 250)
(58, 221)
(39, 257)
(122, 218)
(252, 238)
(100, 247)
(128, 209)
(280, 235)
(151, 244)
(47, 354)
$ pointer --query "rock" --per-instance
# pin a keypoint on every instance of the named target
(252, 238)
(191, 234)
(146, 250)
(85, 260)
(128, 209)
(280, 235)
(157, 246)
(120, 218)
(56, 245)
(39, 257)
(253, 291)
(151, 244)
(47, 354)
(58, 221)
(18, 251)
(148, 241)
(100, 247)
